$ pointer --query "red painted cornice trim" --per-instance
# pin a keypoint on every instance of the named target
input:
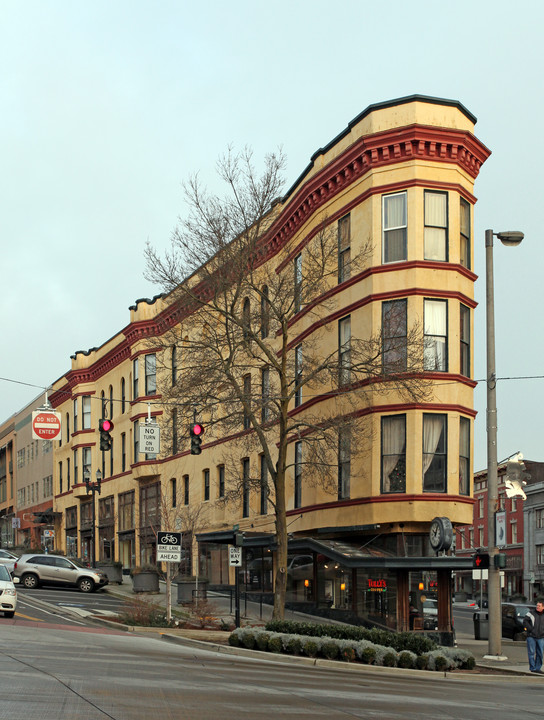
(390, 498)
(139, 416)
(82, 444)
(412, 142)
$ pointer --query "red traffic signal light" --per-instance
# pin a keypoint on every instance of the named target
(105, 427)
(196, 430)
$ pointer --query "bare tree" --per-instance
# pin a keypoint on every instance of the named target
(245, 365)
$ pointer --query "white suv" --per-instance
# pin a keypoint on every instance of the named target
(33, 570)
(8, 594)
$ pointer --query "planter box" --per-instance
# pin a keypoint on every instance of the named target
(145, 582)
(187, 589)
(114, 573)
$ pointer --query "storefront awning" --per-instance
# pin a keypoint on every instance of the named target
(349, 556)
(46, 517)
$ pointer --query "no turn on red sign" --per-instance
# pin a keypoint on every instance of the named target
(46, 425)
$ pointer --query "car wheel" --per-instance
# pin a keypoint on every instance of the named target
(9, 613)
(29, 581)
(86, 585)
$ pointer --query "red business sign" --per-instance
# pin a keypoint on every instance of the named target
(45, 425)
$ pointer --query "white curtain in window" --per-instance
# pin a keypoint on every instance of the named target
(435, 332)
(435, 226)
(432, 430)
(394, 211)
(435, 209)
(435, 244)
(393, 443)
(464, 455)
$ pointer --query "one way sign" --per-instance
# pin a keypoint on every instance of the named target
(235, 556)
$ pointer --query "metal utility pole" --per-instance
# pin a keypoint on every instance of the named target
(494, 576)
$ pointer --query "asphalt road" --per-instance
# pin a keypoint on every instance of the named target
(63, 605)
(49, 673)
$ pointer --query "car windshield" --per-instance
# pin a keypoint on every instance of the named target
(4, 574)
(522, 610)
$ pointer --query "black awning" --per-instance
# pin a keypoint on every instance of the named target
(226, 537)
(349, 556)
(46, 517)
(354, 557)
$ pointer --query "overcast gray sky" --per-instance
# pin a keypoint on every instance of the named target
(106, 106)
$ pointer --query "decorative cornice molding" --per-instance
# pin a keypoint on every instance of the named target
(413, 142)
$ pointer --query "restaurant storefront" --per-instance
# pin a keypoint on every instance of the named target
(334, 579)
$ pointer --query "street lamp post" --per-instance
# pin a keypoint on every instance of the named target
(511, 238)
(94, 487)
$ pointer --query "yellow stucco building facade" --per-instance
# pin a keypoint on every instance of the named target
(398, 182)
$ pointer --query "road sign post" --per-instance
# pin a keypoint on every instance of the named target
(169, 551)
(235, 561)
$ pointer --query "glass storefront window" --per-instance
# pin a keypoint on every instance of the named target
(258, 570)
(377, 597)
(300, 577)
(423, 600)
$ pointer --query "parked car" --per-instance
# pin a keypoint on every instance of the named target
(430, 614)
(301, 567)
(8, 593)
(259, 571)
(35, 569)
(7, 559)
(513, 615)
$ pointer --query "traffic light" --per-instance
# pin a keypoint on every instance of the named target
(500, 560)
(196, 431)
(105, 427)
(480, 561)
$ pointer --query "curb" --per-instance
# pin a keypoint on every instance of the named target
(338, 665)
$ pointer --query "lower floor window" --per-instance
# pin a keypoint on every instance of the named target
(394, 454)
(434, 453)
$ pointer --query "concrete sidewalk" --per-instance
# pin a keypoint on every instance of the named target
(252, 613)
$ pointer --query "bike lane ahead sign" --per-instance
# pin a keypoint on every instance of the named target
(168, 546)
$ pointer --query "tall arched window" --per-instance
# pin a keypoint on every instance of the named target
(174, 431)
(265, 312)
(174, 365)
(123, 395)
(111, 401)
(246, 317)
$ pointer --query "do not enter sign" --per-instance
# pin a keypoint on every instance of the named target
(45, 425)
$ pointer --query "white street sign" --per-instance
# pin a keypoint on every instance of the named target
(150, 438)
(168, 546)
(167, 556)
(235, 556)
